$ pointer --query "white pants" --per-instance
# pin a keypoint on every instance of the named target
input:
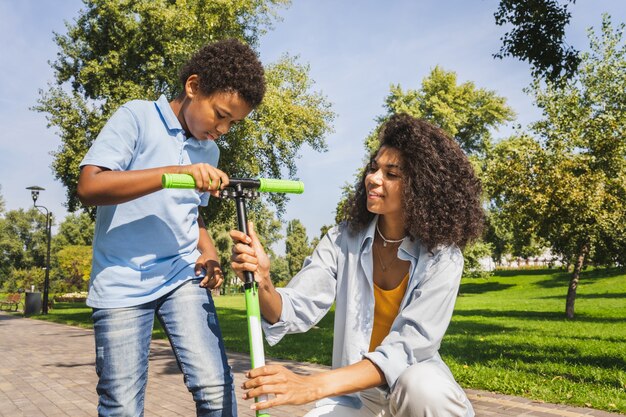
(426, 389)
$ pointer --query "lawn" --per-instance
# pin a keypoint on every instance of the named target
(508, 334)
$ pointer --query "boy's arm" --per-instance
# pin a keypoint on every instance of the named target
(209, 259)
(99, 186)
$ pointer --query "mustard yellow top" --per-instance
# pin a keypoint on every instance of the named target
(386, 307)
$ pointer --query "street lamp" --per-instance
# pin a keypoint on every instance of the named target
(34, 193)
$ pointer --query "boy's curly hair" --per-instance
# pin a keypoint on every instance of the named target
(441, 192)
(227, 66)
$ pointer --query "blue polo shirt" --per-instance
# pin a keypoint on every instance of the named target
(146, 247)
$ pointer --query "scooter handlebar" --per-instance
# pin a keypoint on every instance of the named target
(268, 185)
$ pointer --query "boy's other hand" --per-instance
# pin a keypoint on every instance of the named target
(207, 177)
(214, 276)
(248, 255)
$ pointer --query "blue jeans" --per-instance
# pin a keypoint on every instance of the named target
(123, 344)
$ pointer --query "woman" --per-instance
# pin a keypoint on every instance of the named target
(393, 269)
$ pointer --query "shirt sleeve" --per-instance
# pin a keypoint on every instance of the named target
(416, 334)
(310, 294)
(115, 145)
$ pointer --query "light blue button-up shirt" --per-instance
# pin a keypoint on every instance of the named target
(341, 269)
(146, 247)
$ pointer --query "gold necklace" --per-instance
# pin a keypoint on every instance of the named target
(380, 259)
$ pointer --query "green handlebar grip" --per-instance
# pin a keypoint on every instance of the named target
(262, 184)
(281, 186)
(178, 181)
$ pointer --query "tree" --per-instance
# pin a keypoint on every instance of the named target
(75, 229)
(23, 239)
(316, 240)
(296, 246)
(514, 207)
(22, 245)
(117, 50)
(465, 112)
(569, 187)
(279, 271)
(24, 279)
(500, 233)
(74, 263)
(538, 36)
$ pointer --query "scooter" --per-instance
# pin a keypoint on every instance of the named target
(241, 189)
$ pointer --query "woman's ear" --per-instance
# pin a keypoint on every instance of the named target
(192, 86)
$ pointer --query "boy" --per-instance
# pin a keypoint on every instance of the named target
(150, 246)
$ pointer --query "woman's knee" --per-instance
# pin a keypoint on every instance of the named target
(426, 389)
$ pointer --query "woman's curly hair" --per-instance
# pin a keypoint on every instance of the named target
(441, 191)
(227, 66)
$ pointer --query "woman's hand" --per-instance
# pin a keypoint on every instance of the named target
(286, 386)
(248, 255)
(207, 177)
(214, 276)
(291, 388)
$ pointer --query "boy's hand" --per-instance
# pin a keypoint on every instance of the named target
(248, 255)
(207, 177)
(214, 276)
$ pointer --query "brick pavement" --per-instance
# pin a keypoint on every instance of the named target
(47, 369)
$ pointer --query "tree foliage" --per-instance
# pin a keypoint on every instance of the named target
(23, 245)
(75, 229)
(316, 240)
(465, 112)
(117, 50)
(296, 246)
(23, 239)
(279, 271)
(473, 254)
(569, 187)
(501, 234)
(514, 208)
(74, 267)
(538, 36)
(24, 279)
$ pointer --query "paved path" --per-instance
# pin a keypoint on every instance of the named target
(47, 369)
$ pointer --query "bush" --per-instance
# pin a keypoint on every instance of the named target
(24, 279)
(474, 255)
(72, 297)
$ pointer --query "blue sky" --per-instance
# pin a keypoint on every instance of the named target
(355, 50)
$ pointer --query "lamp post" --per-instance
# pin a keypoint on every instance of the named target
(34, 193)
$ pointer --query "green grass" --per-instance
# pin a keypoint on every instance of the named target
(74, 314)
(314, 346)
(508, 334)
(78, 314)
